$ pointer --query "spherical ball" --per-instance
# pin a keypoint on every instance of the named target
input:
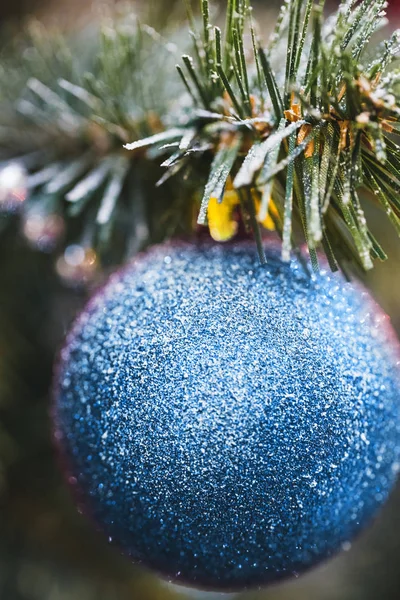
(228, 423)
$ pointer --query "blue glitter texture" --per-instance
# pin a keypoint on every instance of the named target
(229, 424)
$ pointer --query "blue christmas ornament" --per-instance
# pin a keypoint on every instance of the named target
(229, 424)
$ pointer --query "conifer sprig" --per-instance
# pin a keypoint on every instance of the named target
(67, 109)
(301, 141)
(296, 134)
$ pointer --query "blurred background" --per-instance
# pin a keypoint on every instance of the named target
(47, 550)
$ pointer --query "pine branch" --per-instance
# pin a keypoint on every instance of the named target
(298, 145)
(67, 109)
(314, 136)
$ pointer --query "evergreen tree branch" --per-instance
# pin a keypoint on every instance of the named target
(298, 145)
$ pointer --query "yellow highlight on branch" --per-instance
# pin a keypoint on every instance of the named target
(222, 221)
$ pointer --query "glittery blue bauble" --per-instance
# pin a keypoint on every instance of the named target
(229, 424)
